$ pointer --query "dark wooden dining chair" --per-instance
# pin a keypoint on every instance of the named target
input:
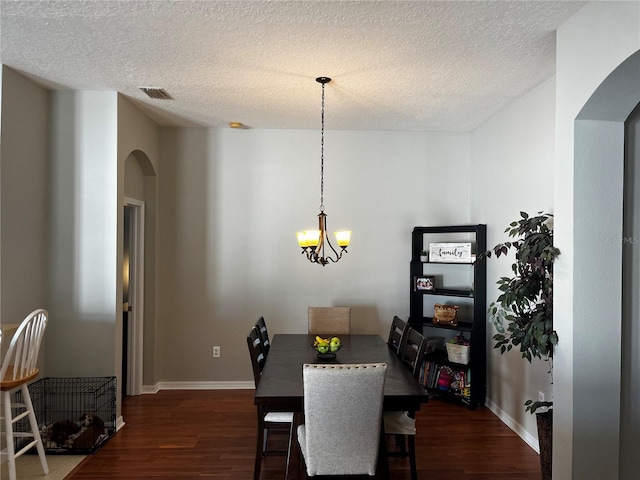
(412, 351)
(396, 331)
(264, 335)
(342, 419)
(402, 425)
(267, 421)
(329, 320)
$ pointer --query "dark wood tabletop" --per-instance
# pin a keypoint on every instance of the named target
(281, 385)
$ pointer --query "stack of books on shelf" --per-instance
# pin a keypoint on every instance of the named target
(440, 378)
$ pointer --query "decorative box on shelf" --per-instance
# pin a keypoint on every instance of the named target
(450, 253)
(458, 353)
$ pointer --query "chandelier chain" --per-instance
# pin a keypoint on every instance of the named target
(322, 155)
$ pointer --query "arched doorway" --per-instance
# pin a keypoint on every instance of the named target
(604, 386)
(138, 312)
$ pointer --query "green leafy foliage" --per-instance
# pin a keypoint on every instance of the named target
(523, 312)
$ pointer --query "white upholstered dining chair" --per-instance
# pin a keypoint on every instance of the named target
(330, 320)
(19, 367)
(342, 418)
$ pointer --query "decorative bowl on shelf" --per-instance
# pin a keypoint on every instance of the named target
(327, 348)
(445, 314)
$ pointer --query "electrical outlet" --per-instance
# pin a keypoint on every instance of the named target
(541, 396)
(216, 351)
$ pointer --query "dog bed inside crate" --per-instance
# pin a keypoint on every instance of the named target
(76, 415)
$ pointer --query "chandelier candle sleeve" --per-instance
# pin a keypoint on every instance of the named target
(302, 239)
(343, 238)
(313, 237)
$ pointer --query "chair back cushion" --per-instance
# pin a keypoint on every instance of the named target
(343, 411)
(330, 320)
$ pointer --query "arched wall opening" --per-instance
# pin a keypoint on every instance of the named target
(139, 207)
(603, 387)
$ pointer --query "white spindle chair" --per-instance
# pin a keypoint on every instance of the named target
(19, 367)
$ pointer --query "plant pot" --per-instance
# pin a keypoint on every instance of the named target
(545, 441)
(424, 258)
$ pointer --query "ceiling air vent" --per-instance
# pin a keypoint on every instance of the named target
(156, 93)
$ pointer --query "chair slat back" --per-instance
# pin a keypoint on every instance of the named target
(343, 411)
(329, 320)
(413, 350)
(22, 355)
(264, 335)
(396, 332)
(255, 352)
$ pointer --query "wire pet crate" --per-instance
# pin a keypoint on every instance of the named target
(76, 414)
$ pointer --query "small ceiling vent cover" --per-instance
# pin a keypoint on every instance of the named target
(156, 93)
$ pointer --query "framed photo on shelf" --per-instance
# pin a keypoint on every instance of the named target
(424, 283)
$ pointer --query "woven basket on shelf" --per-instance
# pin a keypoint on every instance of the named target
(445, 314)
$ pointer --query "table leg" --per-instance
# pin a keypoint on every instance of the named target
(293, 454)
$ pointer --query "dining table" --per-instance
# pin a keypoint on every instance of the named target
(281, 384)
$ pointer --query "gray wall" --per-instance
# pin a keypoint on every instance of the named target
(24, 197)
(82, 242)
(515, 150)
(139, 144)
(592, 45)
(630, 414)
(230, 202)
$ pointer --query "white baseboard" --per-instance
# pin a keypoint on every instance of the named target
(513, 425)
(197, 386)
(119, 423)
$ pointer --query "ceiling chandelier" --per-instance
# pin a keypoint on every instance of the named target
(315, 243)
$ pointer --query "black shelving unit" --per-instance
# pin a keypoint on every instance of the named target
(469, 287)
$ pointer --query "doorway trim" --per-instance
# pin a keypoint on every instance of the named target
(135, 344)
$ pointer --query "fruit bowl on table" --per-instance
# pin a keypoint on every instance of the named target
(328, 349)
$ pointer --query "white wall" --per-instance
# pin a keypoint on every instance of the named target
(230, 202)
(24, 197)
(512, 157)
(589, 47)
(82, 241)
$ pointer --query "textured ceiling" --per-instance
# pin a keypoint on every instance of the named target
(396, 65)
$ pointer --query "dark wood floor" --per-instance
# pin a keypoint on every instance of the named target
(211, 433)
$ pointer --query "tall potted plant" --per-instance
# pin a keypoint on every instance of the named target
(523, 312)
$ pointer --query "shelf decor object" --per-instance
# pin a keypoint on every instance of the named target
(445, 314)
(315, 242)
(450, 252)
